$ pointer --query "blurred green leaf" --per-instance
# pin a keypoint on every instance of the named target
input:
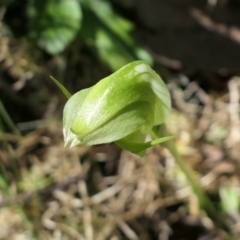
(111, 19)
(229, 199)
(54, 23)
(138, 147)
(109, 34)
(111, 50)
(7, 119)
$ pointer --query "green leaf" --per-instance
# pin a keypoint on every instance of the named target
(109, 35)
(54, 23)
(112, 51)
(7, 119)
(139, 148)
(70, 113)
(229, 199)
(61, 87)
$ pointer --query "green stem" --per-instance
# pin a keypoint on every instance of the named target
(204, 201)
(5, 116)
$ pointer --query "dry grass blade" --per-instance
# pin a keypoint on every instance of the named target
(234, 86)
(130, 234)
(87, 214)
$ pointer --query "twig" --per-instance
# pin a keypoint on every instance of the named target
(105, 194)
(130, 234)
(87, 214)
(180, 196)
(220, 28)
(233, 86)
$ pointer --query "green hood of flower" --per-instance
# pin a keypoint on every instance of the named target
(131, 100)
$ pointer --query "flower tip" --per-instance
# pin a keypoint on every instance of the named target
(71, 141)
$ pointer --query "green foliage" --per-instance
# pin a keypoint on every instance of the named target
(229, 199)
(54, 23)
(109, 34)
(4, 117)
(121, 108)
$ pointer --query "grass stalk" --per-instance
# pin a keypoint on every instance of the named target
(7, 119)
(204, 200)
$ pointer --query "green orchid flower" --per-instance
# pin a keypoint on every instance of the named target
(123, 108)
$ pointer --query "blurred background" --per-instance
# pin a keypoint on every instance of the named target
(48, 191)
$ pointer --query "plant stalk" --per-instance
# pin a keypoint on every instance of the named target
(204, 201)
